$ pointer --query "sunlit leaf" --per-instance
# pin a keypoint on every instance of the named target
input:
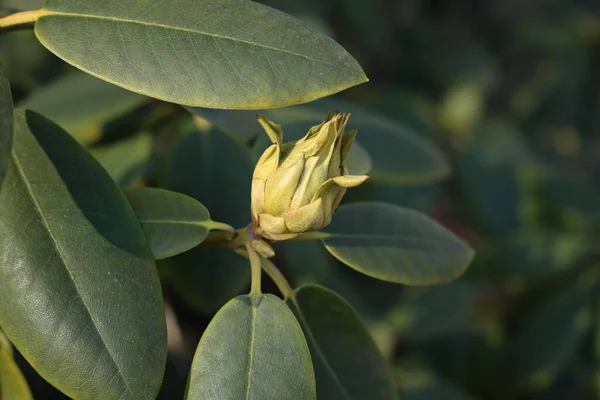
(252, 349)
(13, 385)
(76, 271)
(396, 244)
(207, 54)
(6, 125)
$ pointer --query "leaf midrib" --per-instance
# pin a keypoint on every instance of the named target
(49, 13)
(253, 307)
(38, 209)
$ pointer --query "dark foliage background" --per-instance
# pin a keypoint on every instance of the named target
(510, 91)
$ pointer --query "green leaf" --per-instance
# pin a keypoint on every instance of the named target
(217, 171)
(6, 125)
(429, 313)
(173, 222)
(347, 363)
(396, 244)
(86, 103)
(76, 271)
(399, 155)
(419, 383)
(562, 319)
(207, 54)
(252, 349)
(126, 160)
(13, 385)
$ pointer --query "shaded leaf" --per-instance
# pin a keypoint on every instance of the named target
(81, 104)
(125, 160)
(396, 244)
(209, 55)
(419, 383)
(6, 125)
(217, 171)
(426, 314)
(398, 154)
(252, 349)
(348, 364)
(76, 270)
(173, 222)
(561, 318)
(13, 385)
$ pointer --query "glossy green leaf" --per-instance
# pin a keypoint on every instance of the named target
(396, 244)
(81, 104)
(13, 385)
(6, 125)
(209, 54)
(217, 171)
(126, 160)
(252, 349)
(347, 363)
(399, 155)
(76, 271)
(551, 330)
(173, 222)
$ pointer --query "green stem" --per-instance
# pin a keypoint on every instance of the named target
(21, 20)
(277, 277)
(255, 263)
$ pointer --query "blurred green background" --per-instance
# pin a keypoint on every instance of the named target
(507, 90)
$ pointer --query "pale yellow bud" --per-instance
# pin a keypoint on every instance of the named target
(297, 186)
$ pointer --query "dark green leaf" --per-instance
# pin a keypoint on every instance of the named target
(426, 314)
(396, 244)
(418, 383)
(76, 272)
(125, 160)
(81, 104)
(398, 154)
(6, 125)
(173, 222)
(252, 349)
(217, 171)
(550, 332)
(13, 385)
(347, 363)
(207, 54)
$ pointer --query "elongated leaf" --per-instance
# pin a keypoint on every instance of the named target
(562, 319)
(396, 244)
(215, 170)
(13, 385)
(252, 349)
(347, 363)
(399, 155)
(173, 222)
(81, 104)
(76, 271)
(6, 125)
(217, 53)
